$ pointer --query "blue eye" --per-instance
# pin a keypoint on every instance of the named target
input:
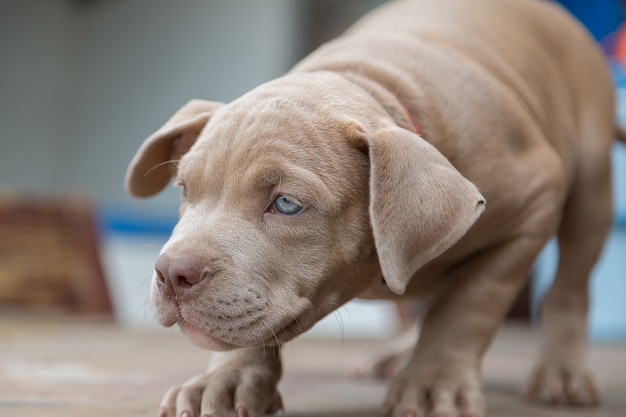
(284, 205)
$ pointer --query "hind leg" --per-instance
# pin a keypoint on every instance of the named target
(561, 374)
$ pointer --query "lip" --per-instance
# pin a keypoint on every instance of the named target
(275, 333)
(204, 340)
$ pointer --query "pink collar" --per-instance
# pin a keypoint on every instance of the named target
(416, 128)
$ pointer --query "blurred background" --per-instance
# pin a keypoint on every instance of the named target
(83, 82)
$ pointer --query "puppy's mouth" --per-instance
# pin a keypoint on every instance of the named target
(248, 332)
(206, 340)
(203, 339)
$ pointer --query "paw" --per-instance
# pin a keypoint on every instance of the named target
(386, 361)
(563, 385)
(378, 364)
(445, 393)
(245, 392)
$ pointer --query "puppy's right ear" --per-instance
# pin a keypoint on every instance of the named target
(420, 204)
(149, 171)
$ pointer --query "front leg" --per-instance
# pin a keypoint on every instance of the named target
(239, 383)
(442, 377)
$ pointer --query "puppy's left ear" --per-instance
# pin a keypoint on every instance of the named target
(420, 205)
(150, 170)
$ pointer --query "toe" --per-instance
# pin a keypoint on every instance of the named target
(580, 389)
(444, 403)
(188, 401)
(277, 405)
(471, 402)
(168, 404)
(217, 400)
(563, 386)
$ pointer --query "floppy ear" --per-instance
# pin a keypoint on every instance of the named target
(146, 174)
(420, 205)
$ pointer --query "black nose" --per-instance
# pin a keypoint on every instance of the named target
(179, 275)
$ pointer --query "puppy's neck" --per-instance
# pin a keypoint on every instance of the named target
(392, 103)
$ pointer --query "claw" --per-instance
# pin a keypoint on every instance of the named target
(555, 394)
(279, 404)
(573, 392)
(243, 412)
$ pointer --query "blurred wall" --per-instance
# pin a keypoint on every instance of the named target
(83, 82)
(37, 52)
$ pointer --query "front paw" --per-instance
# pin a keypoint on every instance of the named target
(435, 392)
(243, 392)
(560, 384)
(385, 361)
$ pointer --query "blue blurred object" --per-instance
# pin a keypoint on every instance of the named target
(601, 17)
(607, 315)
(120, 221)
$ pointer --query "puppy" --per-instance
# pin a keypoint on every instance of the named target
(431, 151)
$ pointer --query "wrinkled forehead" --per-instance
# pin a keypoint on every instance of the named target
(269, 123)
(287, 130)
(258, 148)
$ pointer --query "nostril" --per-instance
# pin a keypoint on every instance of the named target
(179, 274)
(160, 277)
(161, 267)
(183, 282)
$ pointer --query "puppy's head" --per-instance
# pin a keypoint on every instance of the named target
(295, 198)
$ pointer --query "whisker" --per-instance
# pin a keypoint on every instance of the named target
(160, 164)
(299, 326)
(145, 308)
(339, 318)
(273, 335)
(277, 341)
(293, 350)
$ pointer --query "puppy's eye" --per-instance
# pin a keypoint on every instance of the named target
(285, 205)
(183, 189)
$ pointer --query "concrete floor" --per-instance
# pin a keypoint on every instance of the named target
(76, 368)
